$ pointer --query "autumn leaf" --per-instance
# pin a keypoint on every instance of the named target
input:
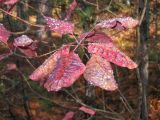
(72, 7)
(10, 2)
(96, 37)
(26, 45)
(99, 73)
(68, 116)
(67, 69)
(22, 41)
(4, 34)
(59, 26)
(112, 54)
(11, 66)
(118, 23)
(45, 69)
(28, 52)
(87, 110)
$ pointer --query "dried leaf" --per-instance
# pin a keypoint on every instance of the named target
(22, 41)
(4, 34)
(67, 70)
(87, 110)
(99, 73)
(118, 23)
(45, 69)
(59, 26)
(72, 7)
(112, 54)
(68, 116)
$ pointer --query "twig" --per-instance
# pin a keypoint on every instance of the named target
(20, 19)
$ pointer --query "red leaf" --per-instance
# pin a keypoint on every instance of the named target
(99, 73)
(72, 7)
(87, 110)
(5, 55)
(26, 45)
(10, 2)
(118, 23)
(22, 41)
(67, 69)
(68, 116)
(97, 37)
(4, 34)
(45, 69)
(59, 26)
(112, 54)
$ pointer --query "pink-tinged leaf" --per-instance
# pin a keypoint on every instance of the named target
(4, 34)
(72, 7)
(68, 116)
(28, 52)
(96, 37)
(86, 35)
(5, 55)
(26, 45)
(118, 23)
(59, 26)
(87, 110)
(22, 41)
(10, 2)
(67, 69)
(99, 73)
(112, 54)
(46, 68)
(11, 66)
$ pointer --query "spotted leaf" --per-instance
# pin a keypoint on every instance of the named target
(99, 73)
(4, 34)
(112, 54)
(72, 7)
(22, 41)
(67, 69)
(118, 23)
(45, 69)
(59, 26)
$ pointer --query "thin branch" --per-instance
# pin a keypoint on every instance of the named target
(20, 19)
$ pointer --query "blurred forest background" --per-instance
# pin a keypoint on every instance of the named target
(138, 96)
